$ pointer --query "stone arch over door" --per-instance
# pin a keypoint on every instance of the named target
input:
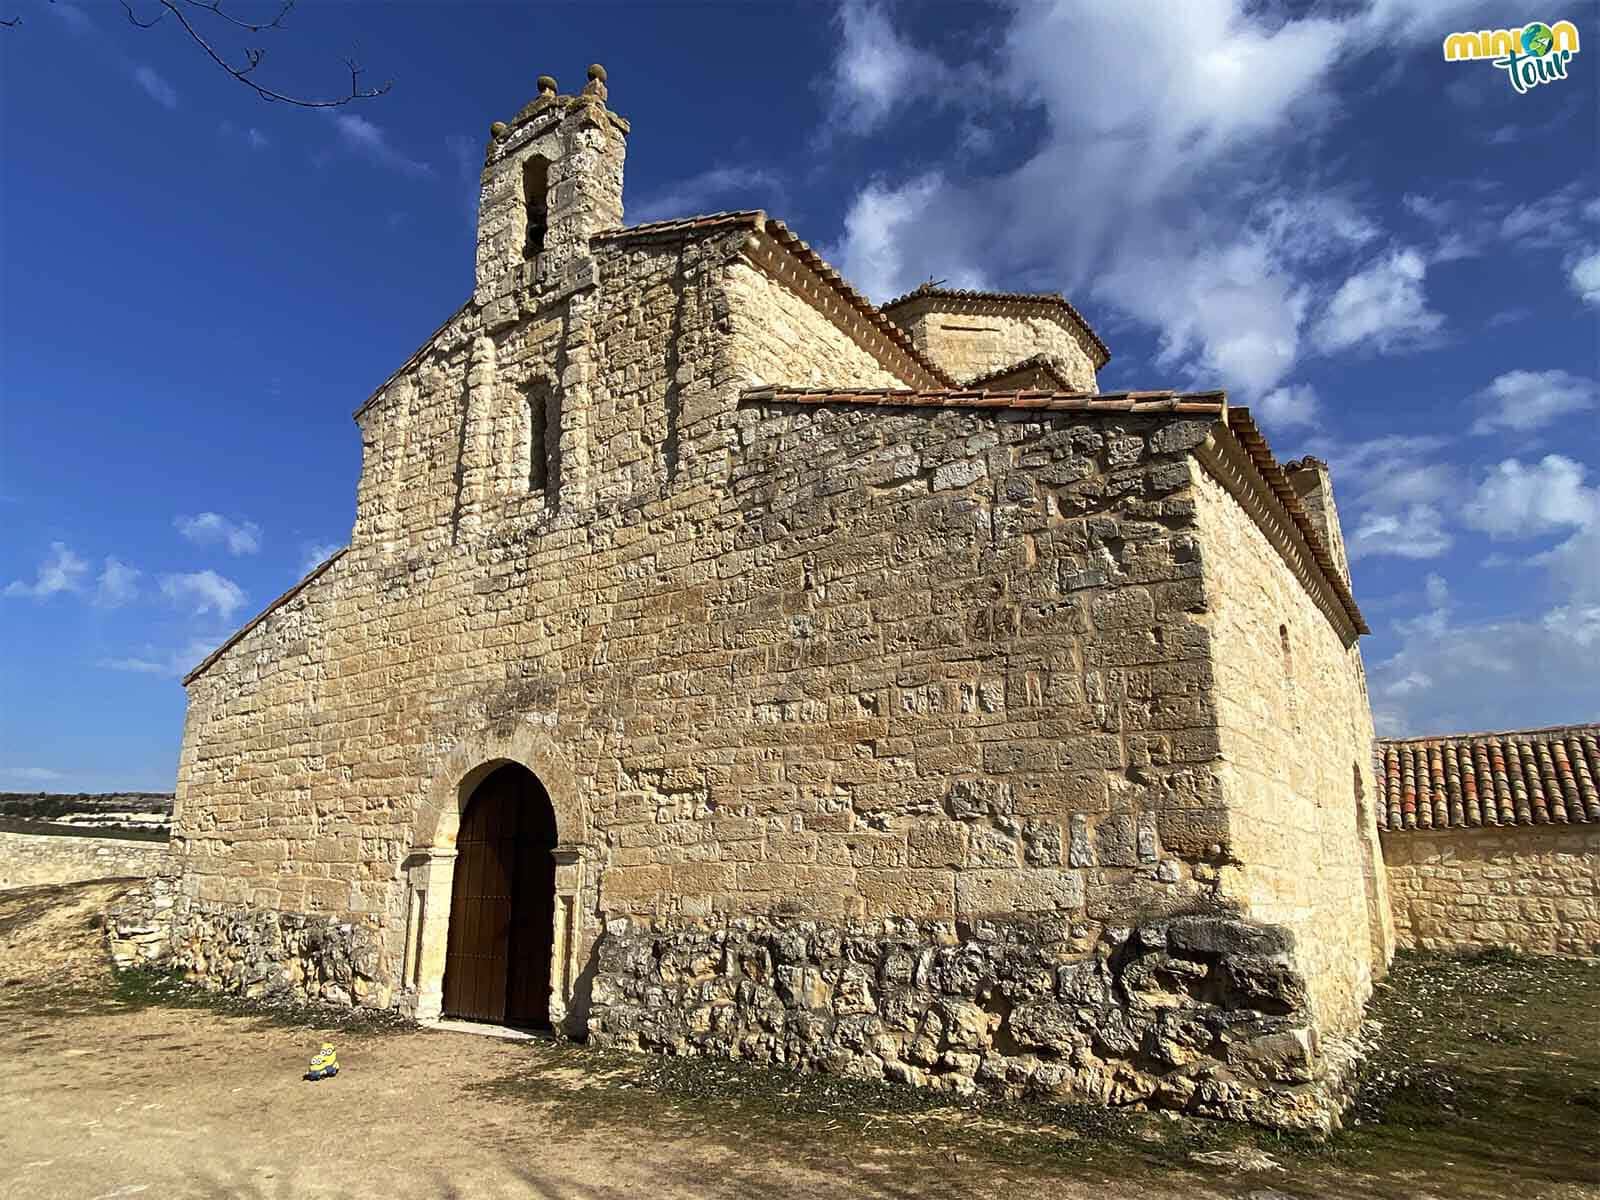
(429, 868)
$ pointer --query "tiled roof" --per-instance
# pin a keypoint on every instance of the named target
(1250, 437)
(1050, 299)
(758, 221)
(1528, 777)
(316, 572)
(1034, 362)
(676, 227)
(1212, 404)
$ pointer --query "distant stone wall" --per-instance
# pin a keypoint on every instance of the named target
(1201, 1013)
(32, 858)
(1528, 888)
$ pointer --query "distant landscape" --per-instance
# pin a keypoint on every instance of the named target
(144, 816)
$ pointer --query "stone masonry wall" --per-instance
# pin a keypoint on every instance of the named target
(31, 858)
(1530, 888)
(257, 952)
(839, 664)
(883, 675)
(1296, 738)
(969, 344)
(1202, 1013)
(781, 338)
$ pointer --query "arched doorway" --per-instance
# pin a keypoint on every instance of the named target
(502, 903)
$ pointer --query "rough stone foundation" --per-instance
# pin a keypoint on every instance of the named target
(250, 952)
(1205, 1014)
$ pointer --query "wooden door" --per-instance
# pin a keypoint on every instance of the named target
(480, 904)
(502, 903)
(533, 914)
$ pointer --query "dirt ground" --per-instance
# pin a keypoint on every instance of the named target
(134, 1086)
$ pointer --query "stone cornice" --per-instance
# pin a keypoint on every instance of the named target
(1226, 460)
(786, 259)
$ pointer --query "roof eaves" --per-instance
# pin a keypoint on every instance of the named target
(416, 357)
(683, 227)
(1034, 362)
(1036, 299)
(1529, 777)
(316, 573)
(1244, 428)
(800, 249)
(1211, 404)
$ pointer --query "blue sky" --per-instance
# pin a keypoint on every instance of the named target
(1394, 260)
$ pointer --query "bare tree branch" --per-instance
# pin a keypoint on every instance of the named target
(253, 55)
(216, 7)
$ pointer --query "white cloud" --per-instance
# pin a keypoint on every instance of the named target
(144, 666)
(1287, 407)
(73, 17)
(1390, 472)
(876, 245)
(31, 774)
(1453, 674)
(211, 529)
(1157, 185)
(1548, 222)
(206, 591)
(1517, 501)
(158, 89)
(61, 571)
(256, 139)
(877, 71)
(151, 661)
(1584, 275)
(717, 188)
(118, 584)
(369, 140)
(317, 553)
(1380, 307)
(1414, 532)
(1523, 401)
(1574, 566)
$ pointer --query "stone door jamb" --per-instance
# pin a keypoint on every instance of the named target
(429, 867)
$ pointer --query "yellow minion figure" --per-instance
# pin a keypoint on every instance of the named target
(325, 1065)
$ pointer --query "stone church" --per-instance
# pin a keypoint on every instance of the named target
(723, 664)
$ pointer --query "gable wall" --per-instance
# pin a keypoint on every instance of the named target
(969, 344)
(1296, 770)
(780, 338)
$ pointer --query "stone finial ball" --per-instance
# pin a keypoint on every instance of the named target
(547, 83)
(498, 129)
(597, 72)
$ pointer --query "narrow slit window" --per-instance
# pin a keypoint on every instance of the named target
(537, 460)
(535, 186)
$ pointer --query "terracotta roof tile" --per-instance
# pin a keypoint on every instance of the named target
(1524, 777)
(1197, 403)
(1034, 362)
(1049, 299)
(1250, 436)
(681, 226)
(758, 221)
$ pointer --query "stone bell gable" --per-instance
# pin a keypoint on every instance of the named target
(773, 687)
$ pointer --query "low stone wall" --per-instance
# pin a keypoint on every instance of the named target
(1533, 888)
(1205, 1014)
(34, 858)
(250, 952)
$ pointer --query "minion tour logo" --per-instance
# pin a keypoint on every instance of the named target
(1537, 53)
